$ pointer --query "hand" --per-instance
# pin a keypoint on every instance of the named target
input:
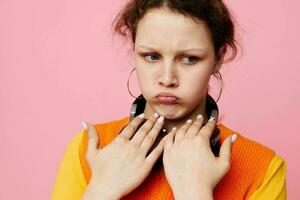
(122, 165)
(190, 165)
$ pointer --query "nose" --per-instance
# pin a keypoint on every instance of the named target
(168, 76)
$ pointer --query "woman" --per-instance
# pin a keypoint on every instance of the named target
(168, 147)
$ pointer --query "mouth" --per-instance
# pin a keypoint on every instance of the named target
(166, 98)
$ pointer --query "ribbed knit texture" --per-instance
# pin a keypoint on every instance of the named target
(249, 164)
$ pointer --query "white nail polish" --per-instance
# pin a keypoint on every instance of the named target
(164, 138)
(233, 138)
(155, 115)
(85, 126)
(189, 121)
(161, 119)
(211, 119)
(174, 128)
(142, 116)
(199, 116)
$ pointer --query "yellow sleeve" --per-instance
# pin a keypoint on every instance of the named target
(273, 186)
(70, 183)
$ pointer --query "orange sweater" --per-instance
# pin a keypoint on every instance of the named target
(250, 162)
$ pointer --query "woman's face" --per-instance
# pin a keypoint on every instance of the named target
(173, 54)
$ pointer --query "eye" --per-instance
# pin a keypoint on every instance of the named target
(191, 59)
(151, 56)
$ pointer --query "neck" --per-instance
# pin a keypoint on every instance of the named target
(170, 123)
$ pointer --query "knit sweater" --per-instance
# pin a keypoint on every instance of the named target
(255, 170)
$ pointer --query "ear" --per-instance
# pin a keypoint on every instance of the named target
(217, 67)
(219, 60)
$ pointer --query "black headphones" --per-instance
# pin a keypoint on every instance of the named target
(211, 109)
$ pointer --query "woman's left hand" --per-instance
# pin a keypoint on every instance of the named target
(190, 166)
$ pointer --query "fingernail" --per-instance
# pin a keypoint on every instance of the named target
(155, 115)
(211, 118)
(161, 119)
(189, 121)
(142, 116)
(85, 126)
(164, 138)
(233, 138)
(174, 128)
(199, 117)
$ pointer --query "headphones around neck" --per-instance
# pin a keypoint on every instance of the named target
(211, 108)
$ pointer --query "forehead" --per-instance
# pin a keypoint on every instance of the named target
(163, 27)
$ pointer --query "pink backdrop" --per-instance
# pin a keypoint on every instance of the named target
(59, 66)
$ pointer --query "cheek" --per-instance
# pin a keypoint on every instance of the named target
(140, 73)
(146, 74)
(144, 79)
(195, 84)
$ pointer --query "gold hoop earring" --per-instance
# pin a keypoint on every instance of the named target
(220, 80)
(128, 88)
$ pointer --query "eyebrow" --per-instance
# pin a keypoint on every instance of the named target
(181, 50)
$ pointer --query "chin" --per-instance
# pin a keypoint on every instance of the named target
(173, 112)
(170, 117)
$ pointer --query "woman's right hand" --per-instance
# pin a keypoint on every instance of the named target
(120, 167)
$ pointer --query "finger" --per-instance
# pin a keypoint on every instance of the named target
(208, 128)
(225, 150)
(155, 154)
(93, 139)
(144, 130)
(182, 131)
(151, 137)
(169, 139)
(131, 128)
(195, 127)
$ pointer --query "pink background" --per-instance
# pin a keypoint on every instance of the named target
(59, 66)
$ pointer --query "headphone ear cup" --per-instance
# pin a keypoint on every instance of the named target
(138, 106)
(213, 111)
(211, 107)
(215, 142)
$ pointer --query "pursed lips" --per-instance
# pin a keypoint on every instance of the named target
(166, 98)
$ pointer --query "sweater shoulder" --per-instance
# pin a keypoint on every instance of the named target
(249, 163)
(244, 143)
(247, 154)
